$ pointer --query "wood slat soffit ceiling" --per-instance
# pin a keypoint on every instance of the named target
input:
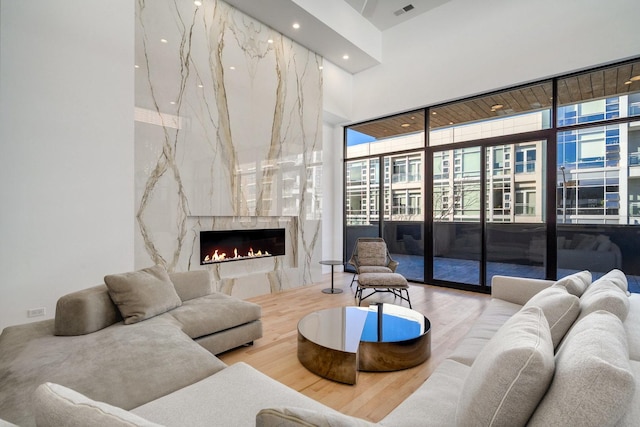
(593, 85)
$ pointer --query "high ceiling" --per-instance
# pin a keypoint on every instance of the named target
(385, 14)
(328, 40)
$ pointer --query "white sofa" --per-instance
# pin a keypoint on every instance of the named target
(542, 353)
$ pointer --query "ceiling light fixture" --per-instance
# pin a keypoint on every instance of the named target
(270, 41)
(628, 82)
(635, 78)
(320, 67)
(296, 26)
(197, 3)
(136, 66)
(496, 107)
(232, 68)
(163, 41)
(345, 56)
(405, 125)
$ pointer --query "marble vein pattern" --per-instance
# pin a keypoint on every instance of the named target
(227, 134)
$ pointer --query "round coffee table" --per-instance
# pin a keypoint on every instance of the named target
(338, 342)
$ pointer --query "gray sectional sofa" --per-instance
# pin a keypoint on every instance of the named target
(542, 353)
(173, 325)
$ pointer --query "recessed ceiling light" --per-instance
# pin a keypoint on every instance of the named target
(345, 56)
(270, 41)
(200, 86)
(137, 66)
(163, 41)
(173, 103)
(434, 113)
(450, 123)
(320, 67)
(197, 3)
(405, 125)
(232, 68)
(296, 25)
(635, 78)
(628, 82)
(496, 107)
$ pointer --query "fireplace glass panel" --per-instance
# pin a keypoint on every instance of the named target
(234, 245)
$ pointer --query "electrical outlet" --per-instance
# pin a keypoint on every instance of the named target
(35, 312)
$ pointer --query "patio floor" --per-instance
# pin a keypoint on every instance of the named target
(467, 271)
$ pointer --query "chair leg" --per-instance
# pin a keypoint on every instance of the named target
(408, 299)
(353, 279)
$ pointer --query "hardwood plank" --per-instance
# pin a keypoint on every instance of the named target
(450, 311)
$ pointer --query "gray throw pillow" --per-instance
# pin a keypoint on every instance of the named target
(290, 416)
(593, 383)
(191, 284)
(510, 375)
(575, 283)
(142, 294)
(618, 278)
(55, 405)
(560, 308)
(605, 295)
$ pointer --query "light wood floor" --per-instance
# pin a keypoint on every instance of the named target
(450, 311)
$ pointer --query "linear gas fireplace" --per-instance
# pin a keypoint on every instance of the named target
(234, 245)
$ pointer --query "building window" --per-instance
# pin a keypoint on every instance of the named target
(526, 159)
(399, 170)
(525, 201)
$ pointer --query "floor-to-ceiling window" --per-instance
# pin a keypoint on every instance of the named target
(488, 191)
(384, 179)
(597, 171)
(539, 180)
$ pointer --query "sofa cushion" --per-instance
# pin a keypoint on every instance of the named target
(85, 311)
(213, 313)
(593, 382)
(632, 327)
(191, 284)
(510, 375)
(575, 283)
(142, 294)
(434, 403)
(55, 405)
(373, 269)
(494, 316)
(604, 295)
(231, 397)
(289, 416)
(122, 365)
(560, 308)
(632, 414)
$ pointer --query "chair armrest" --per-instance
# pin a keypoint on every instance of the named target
(517, 290)
(393, 265)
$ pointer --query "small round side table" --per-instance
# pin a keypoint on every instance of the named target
(332, 263)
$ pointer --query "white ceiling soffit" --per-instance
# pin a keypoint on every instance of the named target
(330, 28)
(385, 14)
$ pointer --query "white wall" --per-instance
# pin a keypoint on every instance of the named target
(465, 47)
(337, 103)
(66, 160)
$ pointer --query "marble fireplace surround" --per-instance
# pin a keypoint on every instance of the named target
(228, 135)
